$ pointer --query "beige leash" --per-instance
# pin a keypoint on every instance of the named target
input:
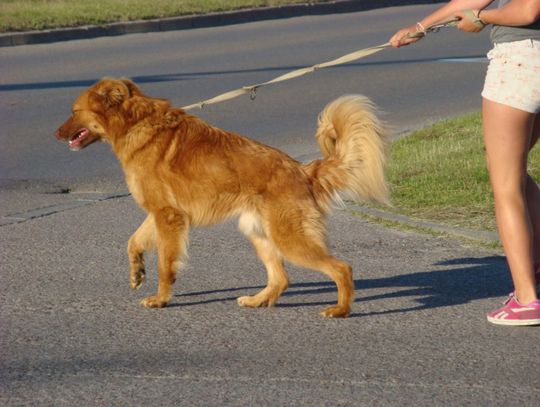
(353, 56)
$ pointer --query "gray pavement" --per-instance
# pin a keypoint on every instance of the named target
(72, 332)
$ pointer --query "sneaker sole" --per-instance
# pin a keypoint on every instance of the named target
(514, 322)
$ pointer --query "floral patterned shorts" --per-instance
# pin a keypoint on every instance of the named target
(513, 75)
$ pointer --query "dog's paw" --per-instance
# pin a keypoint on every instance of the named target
(336, 311)
(251, 302)
(245, 301)
(137, 279)
(154, 302)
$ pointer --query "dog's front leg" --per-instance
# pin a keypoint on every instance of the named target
(171, 229)
(143, 239)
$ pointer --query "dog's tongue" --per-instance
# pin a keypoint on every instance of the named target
(75, 142)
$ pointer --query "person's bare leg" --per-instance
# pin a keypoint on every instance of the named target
(507, 138)
(533, 197)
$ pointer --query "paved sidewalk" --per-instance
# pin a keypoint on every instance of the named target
(74, 334)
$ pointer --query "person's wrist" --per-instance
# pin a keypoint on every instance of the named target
(420, 28)
(474, 19)
(478, 18)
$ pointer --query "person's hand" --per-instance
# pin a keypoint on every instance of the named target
(469, 21)
(407, 36)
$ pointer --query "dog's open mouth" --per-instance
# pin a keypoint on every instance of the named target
(76, 142)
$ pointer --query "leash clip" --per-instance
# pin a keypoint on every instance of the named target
(253, 93)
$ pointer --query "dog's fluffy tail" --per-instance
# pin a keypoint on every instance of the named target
(352, 140)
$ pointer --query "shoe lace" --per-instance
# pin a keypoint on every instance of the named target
(510, 297)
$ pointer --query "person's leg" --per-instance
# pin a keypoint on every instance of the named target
(533, 198)
(507, 138)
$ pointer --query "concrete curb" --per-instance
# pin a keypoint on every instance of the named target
(199, 21)
(470, 234)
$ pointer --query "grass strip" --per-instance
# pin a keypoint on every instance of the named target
(22, 15)
(439, 174)
(473, 242)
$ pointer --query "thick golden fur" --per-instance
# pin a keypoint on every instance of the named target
(185, 172)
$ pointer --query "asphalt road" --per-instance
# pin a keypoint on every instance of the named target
(71, 330)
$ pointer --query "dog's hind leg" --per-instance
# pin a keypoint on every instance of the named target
(171, 238)
(143, 239)
(273, 261)
(339, 271)
(302, 243)
(277, 276)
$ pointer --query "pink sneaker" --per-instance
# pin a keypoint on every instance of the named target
(513, 313)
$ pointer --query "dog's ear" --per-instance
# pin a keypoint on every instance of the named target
(133, 89)
(138, 107)
(113, 92)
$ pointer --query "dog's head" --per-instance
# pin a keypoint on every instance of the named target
(105, 111)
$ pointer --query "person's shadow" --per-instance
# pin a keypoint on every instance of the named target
(451, 282)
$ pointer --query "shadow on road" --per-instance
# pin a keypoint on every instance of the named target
(174, 77)
(459, 282)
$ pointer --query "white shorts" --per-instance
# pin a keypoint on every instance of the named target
(513, 75)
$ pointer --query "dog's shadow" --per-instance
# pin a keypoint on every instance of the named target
(452, 282)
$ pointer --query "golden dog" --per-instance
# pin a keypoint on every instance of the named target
(184, 173)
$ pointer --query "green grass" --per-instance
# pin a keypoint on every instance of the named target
(439, 174)
(20, 15)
